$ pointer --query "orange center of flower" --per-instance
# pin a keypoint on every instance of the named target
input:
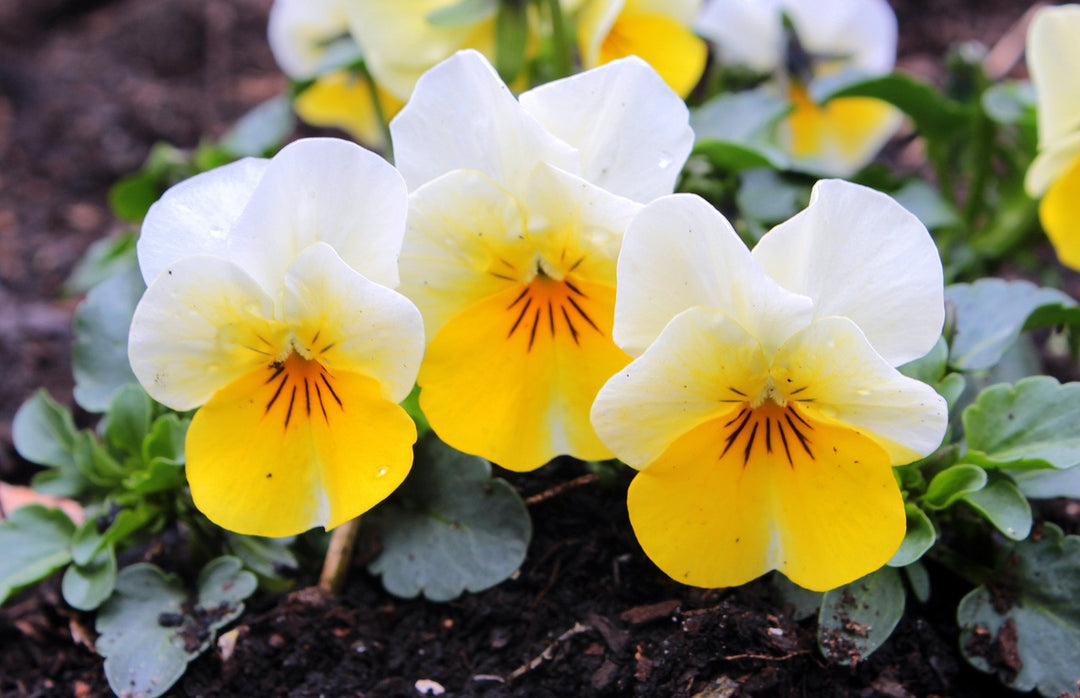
(549, 307)
(767, 429)
(299, 386)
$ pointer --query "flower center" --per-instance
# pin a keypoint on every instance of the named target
(299, 386)
(766, 429)
(552, 308)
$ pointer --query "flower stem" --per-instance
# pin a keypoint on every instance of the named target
(338, 556)
(561, 58)
(380, 115)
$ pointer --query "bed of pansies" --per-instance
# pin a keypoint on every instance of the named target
(622, 348)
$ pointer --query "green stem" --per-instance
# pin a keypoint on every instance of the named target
(384, 124)
(561, 58)
(983, 143)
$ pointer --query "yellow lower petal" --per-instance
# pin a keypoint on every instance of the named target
(512, 378)
(343, 100)
(292, 446)
(842, 134)
(669, 47)
(766, 489)
(1059, 212)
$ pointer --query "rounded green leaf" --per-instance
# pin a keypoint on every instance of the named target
(953, 483)
(1034, 424)
(1002, 504)
(918, 539)
(86, 586)
(857, 618)
(1029, 614)
(450, 527)
(44, 432)
(128, 419)
(36, 542)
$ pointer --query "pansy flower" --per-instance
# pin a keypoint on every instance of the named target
(1053, 53)
(305, 36)
(658, 31)
(800, 42)
(763, 408)
(269, 309)
(516, 216)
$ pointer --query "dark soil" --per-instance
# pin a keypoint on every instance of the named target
(86, 87)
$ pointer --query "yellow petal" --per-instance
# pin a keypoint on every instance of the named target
(513, 377)
(767, 489)
(1059, 212)
(841, 135)
(665, 44)
(343, 100)
(292, 446)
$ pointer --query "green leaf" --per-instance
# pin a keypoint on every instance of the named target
(462, 13)
(918, 539)
(450, 527)
(1010, 102)
(951, 388)
(411, 404)
(934, 115)
(159, 475)
(953, 483)
(99, 350)
(95, 462)
(1025, 627)
(1048, 484)
(990, 314)
(857, 618)
(804, 602)
(130, 521)
(919, 580)
(1002, 504)
(1034, 424)
(744, 117)
(103, 259)
(261, 131)
(768, 197)
(44, 432)
(928, 205)
(86, 586)
(736, 157)
(128, 419)
(271, 559)
(35, 542)
(166, 438)
(132, 195)
(149, 634)
(511, 37)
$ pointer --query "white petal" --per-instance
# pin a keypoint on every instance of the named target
(399, 43)
(324, 190)
(299, 31)
(197, 215)
(576, 226)
(202, 324)
(746, 32)
(679, 252)
(847, 381)
(680, 381)
(863, 32)
(365, 327)
(682, 11)
(632, 131)
(859, 254)
(462, 116)
(1051, 163)
(1053, 52)
(466, 240)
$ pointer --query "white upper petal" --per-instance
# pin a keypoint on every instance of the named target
(679, 252)
(632, 131)
(747, 32)
(1053, 53)
(202, 324)
(323, 190)
(369, 328)
(1051, 163)
(849, 382)
(861, 33)
(299, 31)
(859, 254)
(462, 116)
(196, 216)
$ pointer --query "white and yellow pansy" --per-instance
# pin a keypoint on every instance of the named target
(825, 38)
(658, 31)
(763, 408)
(1053, 54)
(302, 34)
(269, 309)
(517, 211)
